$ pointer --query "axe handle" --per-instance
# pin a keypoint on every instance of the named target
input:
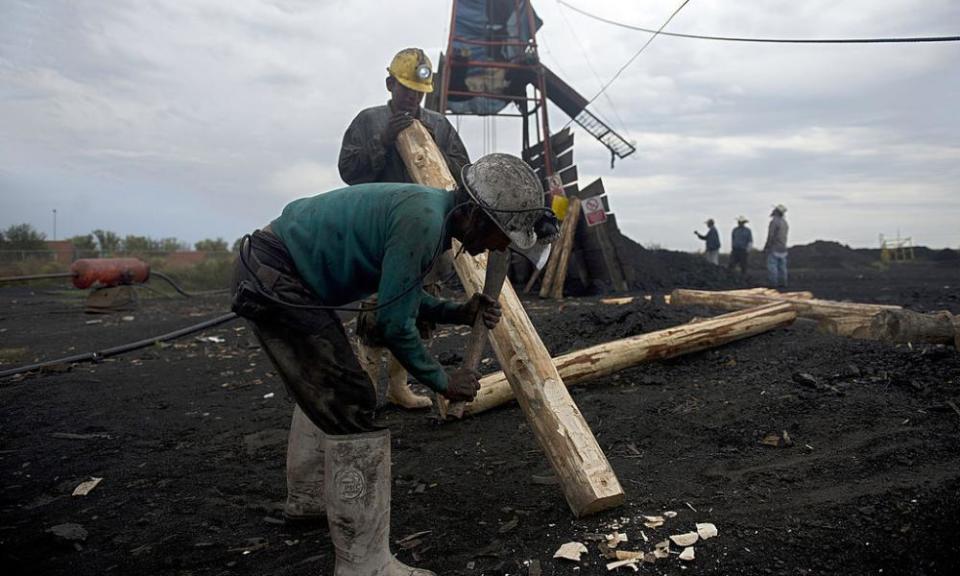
(498, 263)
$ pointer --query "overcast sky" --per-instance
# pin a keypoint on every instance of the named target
(204, 118)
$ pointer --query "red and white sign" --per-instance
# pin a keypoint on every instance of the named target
(593, 211)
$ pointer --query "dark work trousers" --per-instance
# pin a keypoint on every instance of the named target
(309, 348)
(739, 258)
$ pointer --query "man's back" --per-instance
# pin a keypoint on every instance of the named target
(344, 242)
(777, 234)
(741, 238)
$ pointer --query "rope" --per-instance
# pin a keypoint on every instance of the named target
(632, 58)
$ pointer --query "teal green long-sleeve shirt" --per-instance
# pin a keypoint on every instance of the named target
(375, 238)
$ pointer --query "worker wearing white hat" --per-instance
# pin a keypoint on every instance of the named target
(741, 240)
(776, 247)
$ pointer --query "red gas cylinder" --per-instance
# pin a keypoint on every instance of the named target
(109, 271)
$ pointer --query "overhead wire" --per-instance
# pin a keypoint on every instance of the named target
(634, 57)
(596, 75)
(889, 40)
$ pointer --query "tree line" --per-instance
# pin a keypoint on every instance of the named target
(23, 237)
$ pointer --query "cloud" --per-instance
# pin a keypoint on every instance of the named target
(209, 116)
(303, 179)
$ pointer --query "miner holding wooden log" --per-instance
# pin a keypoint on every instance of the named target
(328, 250)
(368, 154)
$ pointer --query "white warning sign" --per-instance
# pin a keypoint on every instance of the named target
(593, 211)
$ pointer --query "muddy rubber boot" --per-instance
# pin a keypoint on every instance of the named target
(358, 505)
(399, 392)
(304, 470)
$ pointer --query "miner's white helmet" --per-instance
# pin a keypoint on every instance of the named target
(509, 192)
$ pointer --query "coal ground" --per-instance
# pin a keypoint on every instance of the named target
(189, 439)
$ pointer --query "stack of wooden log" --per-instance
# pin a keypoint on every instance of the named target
(591, 364)
(882, 322)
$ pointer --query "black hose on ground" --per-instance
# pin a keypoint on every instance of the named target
(183, 292)
(123, 348)
(36, 277)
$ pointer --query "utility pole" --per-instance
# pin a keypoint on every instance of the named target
(54, 224)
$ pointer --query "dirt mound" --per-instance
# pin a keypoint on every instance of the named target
(664, 270)
(189, 439)
(828, 254)
(582, 323)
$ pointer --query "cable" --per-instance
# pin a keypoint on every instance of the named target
(37, 277)
(123, 348)
(183, 292)
(632, 58)
(596, 75)
(768, 40)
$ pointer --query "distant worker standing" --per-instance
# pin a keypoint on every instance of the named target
(712, 238)
(776, 247)
(741, 241)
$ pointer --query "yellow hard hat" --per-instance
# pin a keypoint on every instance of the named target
(413, 69)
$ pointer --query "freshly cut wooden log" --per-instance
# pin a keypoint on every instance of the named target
(602, 360)
(567, 232)
(586, 477)
(850, 326)
(806, 307)
(909, 326)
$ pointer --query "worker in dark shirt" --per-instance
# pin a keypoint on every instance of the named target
(741, 241)
(329, 250)
(712, 239)
(369, 154)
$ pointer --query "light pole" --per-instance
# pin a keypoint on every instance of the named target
(54, 224)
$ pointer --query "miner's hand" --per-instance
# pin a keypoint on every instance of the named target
(397, 123)
(462, 385)
(479, 304)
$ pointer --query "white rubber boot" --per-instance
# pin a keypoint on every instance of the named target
(399, 392)
(304, 469)
(358, 505)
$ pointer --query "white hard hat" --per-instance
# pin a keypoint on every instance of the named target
(742, 219)
(780, 208)
(509, 192)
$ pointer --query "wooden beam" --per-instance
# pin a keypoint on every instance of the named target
(595, 362)
(586, 477)
(907, 326)
(568, 231)
(841, 318)
(806, 307)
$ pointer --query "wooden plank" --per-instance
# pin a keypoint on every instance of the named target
(594, 188)
(620, 249)
(812, 308)
(559, 142)
(586, 477)
(569, 175)
(907, 326)
(566, 246)
(608, 251)
(551, 274)
(593, 363)
(561, 160)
